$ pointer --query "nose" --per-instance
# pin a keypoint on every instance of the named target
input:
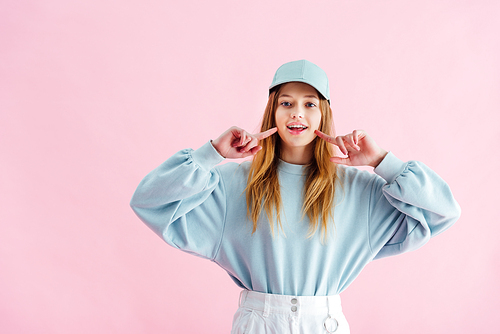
(297, 113)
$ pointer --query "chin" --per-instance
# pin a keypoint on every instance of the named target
(301, 143)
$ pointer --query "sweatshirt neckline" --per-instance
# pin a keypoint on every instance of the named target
(291, 168)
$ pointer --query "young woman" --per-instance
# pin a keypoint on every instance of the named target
(296, 225)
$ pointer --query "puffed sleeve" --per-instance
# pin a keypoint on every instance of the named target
(409, 204)
(184, 201)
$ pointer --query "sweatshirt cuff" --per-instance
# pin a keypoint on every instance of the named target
(390, 167)
(207, 156)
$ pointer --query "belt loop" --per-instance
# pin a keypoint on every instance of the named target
(241, 294)
(329, 301)
(267, 305)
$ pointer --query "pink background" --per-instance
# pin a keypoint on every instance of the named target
(95, 94)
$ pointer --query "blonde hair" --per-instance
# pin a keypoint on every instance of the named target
(263, 189)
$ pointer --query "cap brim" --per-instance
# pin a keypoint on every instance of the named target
(298, 80)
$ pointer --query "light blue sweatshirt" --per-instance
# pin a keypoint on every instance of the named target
(200, 208)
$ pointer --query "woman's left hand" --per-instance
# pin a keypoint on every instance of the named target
(360, 149)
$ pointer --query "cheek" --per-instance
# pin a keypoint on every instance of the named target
(316, 120)
(278, 122)
(279, 118)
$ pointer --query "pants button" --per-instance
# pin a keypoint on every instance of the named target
(294, 308)
(294, 300)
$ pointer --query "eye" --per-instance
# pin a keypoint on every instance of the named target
(285, 104)
(310, 104)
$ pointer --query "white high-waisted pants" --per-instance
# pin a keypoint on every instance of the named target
(263, 313)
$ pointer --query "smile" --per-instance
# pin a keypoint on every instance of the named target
(296, 128)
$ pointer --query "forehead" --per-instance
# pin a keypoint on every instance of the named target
(298, 89)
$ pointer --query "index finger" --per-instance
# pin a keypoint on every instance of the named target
(326, 137)
(265, 134)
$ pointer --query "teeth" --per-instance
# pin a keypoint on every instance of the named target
(297, 127)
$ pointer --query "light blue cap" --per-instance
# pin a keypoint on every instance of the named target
(302, 71)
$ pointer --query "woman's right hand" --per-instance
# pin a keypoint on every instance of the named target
(236, 143)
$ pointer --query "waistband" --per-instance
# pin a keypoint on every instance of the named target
(293, 305)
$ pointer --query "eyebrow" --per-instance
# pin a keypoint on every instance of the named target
(313, 96)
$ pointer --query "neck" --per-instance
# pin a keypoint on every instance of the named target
(297, 155)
